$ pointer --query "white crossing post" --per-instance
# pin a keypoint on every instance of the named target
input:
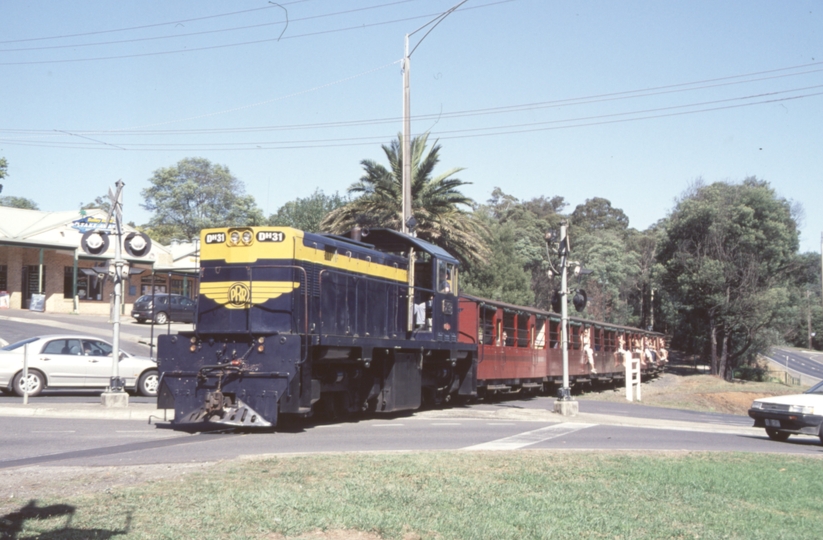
(632, 371)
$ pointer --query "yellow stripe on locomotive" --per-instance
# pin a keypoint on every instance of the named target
(248, 245)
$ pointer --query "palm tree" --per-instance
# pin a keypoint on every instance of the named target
(442, 212)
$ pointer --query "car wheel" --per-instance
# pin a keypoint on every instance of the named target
(148, 383)
(820, 433)
(777, 435)
(34, 383)
(161, 318)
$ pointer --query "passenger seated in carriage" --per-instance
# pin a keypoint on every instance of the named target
(621, 352)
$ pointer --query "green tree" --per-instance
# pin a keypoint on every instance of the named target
(614, 269)
(597, 214)
(19, 202)
(100, 201)
(442, 212)
(728, 253)
(517, 232)
(195, 194)
(308, 213)
(504, 275)
(9, 201)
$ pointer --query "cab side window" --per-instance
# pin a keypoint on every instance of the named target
(446, 277)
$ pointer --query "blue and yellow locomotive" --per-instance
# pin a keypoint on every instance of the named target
(290, 322)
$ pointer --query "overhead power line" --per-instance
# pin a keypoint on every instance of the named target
(203, 32)
(595, 120)
(143, 27)
(244, 43)
(703, 84)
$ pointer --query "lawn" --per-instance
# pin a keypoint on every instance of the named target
(450, 495)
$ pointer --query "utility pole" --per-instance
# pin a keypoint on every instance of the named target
(408, 224)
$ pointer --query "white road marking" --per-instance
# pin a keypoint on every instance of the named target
(387, 425)
(531, 437)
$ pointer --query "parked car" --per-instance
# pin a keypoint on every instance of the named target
(72, 361)
(162, 308)
(798, 414)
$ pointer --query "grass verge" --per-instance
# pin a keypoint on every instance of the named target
(456, 495)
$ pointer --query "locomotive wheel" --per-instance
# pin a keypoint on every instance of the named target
(334, 406)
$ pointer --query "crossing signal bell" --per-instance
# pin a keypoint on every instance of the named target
(137, 245)
(95, 242)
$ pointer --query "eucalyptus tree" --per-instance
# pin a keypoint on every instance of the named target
(443, 213)
(195, 194)
(307, 213)
(728, 254)
(18, 202)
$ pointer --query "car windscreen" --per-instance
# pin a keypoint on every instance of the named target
(18, 344)
(816, 389)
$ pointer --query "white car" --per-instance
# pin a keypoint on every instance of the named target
(798, 414)
(72, 361)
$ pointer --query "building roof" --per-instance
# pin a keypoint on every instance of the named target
(63, 231)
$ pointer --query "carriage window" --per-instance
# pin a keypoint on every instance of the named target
(540, 334)
(598, 339)
(554, 334)
(522, 330)
(574, 337)
(487, 326)
(509, 330)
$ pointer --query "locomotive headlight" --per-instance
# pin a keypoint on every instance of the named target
(247, 237)
(235, 237)
(260, 344)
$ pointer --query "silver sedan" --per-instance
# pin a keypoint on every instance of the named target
(72, 361)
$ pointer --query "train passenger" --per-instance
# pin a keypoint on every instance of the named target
(664, 354)
(621, 352)
(637, 351)
(648, 354)
(588, 353)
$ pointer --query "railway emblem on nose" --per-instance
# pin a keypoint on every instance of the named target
(239, 294)
(244, 294)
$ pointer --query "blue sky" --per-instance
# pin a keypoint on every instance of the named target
(631, 100)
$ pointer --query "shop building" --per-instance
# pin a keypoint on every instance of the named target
(43, 267)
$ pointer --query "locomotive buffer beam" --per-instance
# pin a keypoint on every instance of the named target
(219, 409)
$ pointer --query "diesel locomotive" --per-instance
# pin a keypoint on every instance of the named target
(291, 322)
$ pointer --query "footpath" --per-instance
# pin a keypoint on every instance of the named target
(91, 408)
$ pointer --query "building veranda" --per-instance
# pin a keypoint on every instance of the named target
(41, 258)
